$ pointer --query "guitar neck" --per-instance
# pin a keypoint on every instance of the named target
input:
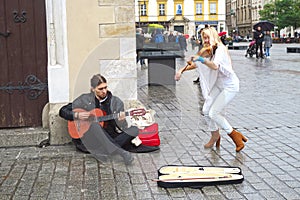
(110, 117)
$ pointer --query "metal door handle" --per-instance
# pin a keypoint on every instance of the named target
(5, 34)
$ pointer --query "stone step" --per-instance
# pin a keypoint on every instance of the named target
(17, 137)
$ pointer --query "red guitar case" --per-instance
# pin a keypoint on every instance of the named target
(174, 176)
(149, 135)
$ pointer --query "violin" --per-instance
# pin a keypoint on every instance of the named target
(206, 51)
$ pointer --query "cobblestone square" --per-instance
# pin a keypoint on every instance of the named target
(266, 110)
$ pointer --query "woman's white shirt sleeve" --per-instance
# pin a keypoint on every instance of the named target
(223, 61)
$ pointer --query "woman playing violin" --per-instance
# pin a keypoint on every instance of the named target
(219, 85)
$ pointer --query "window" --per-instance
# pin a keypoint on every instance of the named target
(198, 8)
(161, 9)
(143, 9)
(213, 8)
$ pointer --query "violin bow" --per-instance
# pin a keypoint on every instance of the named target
(184, 69)
(187, 179)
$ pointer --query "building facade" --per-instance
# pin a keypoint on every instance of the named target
(239, 17)
(81, 38)
(185, 16)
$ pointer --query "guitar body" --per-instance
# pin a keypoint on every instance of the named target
(173, 176)
(77, 128)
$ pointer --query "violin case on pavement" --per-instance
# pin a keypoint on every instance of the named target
(174, 176)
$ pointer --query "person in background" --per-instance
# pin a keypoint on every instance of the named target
(140, 40)
(223, 37)
(259, 38)
(268, 43)
(159, 37)
(200, 45)
(193, 42)
(171, 37)
(219, 85)
(166, 38)
(199, 41)
(181, 40)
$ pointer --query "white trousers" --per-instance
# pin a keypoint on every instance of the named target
(214, 109)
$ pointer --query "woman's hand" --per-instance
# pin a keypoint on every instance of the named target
(199, 58)
(194, 57)
(177, 76)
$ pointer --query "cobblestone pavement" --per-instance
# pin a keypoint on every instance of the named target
(266, 110)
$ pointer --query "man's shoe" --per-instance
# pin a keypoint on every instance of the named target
(82, 149)
(143, 149)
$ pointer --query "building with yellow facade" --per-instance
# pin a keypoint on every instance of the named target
(185, 16)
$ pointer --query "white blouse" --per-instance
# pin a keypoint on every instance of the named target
(224, 77)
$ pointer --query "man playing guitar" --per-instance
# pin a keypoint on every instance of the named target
(101, 138)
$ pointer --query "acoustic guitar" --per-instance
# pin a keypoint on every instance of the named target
(77, 128)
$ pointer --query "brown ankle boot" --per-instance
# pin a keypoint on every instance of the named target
(238, 139)
(215, 138)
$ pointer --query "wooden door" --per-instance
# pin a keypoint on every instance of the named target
(23, 62)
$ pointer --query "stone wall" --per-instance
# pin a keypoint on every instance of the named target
(100, 39)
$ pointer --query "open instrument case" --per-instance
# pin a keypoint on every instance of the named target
(173, 176)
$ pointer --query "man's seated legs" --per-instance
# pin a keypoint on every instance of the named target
(98, 142)
(126, 136)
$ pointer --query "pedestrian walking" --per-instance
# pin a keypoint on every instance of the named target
(140, 41)
(200, 45)
(219, 87)
(268, 43)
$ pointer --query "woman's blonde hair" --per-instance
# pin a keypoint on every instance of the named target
(213, 35)
(214, 39)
